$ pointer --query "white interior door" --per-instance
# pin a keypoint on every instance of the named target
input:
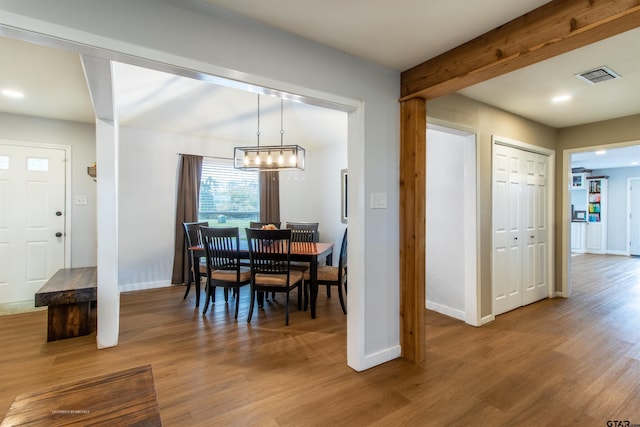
(32, 218)
(520, 190)
(535, 285)
(634, 217)
(528, 235)
(507, 241)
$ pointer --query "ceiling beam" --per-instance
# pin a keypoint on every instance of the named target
(552, 29)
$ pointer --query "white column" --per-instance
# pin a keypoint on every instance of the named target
(107, 208)
(100, 83)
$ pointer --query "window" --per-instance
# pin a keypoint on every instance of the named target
(228, 197)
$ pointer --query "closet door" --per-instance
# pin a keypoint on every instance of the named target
(507, 232)
(520, 225)
(536, 285)
(529, 185)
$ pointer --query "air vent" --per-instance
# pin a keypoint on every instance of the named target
(598, 75)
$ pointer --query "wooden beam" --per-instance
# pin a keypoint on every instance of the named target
(413, 148)
(554, 28)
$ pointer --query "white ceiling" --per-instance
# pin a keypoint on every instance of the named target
(379, 35)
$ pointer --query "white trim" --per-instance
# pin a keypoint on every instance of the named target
(379, 357)
(487, 319)
(144, 286)
(67, 188)
(508, 142)
(617, 253)
(629, 180)
(447, 311)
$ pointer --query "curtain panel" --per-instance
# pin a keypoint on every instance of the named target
(188, 196)
(270, 196)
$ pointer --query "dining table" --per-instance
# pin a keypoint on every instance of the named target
(311, 252)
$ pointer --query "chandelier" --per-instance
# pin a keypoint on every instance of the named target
(269, 157)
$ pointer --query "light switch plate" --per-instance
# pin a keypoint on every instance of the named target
(378, 200)
(80, 200)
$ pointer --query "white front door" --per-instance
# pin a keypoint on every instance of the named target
(32, 218)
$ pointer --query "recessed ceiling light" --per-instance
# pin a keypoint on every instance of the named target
(12, 93)
(601, 152)
(561, 98)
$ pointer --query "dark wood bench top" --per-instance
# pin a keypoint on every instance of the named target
(69, 286)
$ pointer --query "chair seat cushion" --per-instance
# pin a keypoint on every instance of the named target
(326, 273)
(230, 275)
(278, 279)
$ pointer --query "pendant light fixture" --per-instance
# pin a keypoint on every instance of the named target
(269, 157)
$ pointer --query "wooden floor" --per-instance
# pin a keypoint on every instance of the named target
(557, 362)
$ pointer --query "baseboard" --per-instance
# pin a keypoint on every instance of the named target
(142, 286)
(447, 311)
(487, 319)
(622, 253)
(379, 358)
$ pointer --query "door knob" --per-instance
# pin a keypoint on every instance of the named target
(58, 234)
(58, 213)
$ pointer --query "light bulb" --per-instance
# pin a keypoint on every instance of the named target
(293, 159)
(280, 159)
(269, 160)
(246, 159)
(257, 161)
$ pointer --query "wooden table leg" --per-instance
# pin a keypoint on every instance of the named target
(313, 273)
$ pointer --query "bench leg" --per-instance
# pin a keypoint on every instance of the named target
(68, 321)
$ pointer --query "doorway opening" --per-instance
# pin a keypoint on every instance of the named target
(618, 232)
(451, 224)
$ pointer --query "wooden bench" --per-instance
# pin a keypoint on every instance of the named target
(69, 295)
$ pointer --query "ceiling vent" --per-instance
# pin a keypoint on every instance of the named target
(598, 75)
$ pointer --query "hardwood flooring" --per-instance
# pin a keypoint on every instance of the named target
(565, 362)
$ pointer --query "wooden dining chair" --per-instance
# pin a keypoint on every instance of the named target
(256, 224)
(304, 231)
(196, 271)
(270, 258)
(223, 263)
(331, 276)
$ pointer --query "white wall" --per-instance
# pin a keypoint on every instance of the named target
(147, 209)
(314, 195)
(445, 250)
(81, 138)
(210, 40)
